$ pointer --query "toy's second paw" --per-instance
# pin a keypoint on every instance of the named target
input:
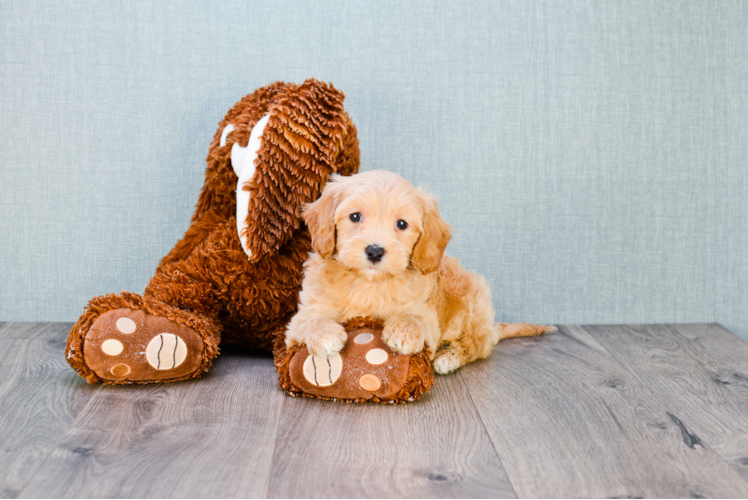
(364, 370)
(403, 336)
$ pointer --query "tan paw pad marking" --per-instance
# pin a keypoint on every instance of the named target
(323, 371)
(120, 370)
(363, 338)
(165, 351)
(369, 382)
(125, 325)
(376, 356)
(112, 347)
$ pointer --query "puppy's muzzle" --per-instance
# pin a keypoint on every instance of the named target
(374, 253)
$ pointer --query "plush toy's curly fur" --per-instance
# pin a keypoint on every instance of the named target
(207, 282)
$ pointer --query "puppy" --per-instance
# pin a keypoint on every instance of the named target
(379, 251)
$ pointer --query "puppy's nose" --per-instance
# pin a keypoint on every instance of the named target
(374, 253)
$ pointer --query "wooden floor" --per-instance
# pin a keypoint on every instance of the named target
(588, 411)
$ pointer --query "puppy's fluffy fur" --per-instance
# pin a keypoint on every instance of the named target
(423, 296)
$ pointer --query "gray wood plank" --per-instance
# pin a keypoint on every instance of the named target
(699, 372)
(40, 396)
(568, 420)
(211, 437)
(28, 331)
(436, 447)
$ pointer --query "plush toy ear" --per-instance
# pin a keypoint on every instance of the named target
(304, 139)
(429, 249)
(320, 217)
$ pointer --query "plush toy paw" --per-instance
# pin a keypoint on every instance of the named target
(124, 339)
(128, 345)
(404, 336)
(365, 369)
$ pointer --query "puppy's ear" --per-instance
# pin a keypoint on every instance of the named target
(429, 249)
(320, 217)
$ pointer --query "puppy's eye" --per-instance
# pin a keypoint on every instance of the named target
(355, 217)
(401, 224)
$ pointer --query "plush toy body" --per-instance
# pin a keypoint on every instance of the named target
(235, 276)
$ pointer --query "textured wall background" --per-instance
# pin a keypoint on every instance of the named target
(591, 156)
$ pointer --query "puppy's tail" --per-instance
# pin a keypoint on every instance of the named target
(513, 330)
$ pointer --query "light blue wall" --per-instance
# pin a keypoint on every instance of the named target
(591, 156)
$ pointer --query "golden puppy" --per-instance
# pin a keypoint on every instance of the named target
(379, 251)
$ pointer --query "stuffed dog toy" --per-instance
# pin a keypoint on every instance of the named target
(235, 276)
(379, 252)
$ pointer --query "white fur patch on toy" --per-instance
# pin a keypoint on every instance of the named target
(246, 158)
(238, 154)
(125, 325)
(226, 131)
(376, 356)
(323, 371)
(165, 351)
(112, 347)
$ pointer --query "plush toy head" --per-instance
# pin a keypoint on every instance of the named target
(364, 370)
(275, 150)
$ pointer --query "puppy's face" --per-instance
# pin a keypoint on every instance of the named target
(377, 225)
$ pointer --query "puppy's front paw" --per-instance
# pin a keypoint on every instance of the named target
(447, 361)
(404, 336)
(327, 337)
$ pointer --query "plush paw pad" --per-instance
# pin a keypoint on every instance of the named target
(323, 371)
(166, 351)
(126, 345)
(369, 382)
(377, 356)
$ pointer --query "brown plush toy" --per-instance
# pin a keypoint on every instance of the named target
(234, 278)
